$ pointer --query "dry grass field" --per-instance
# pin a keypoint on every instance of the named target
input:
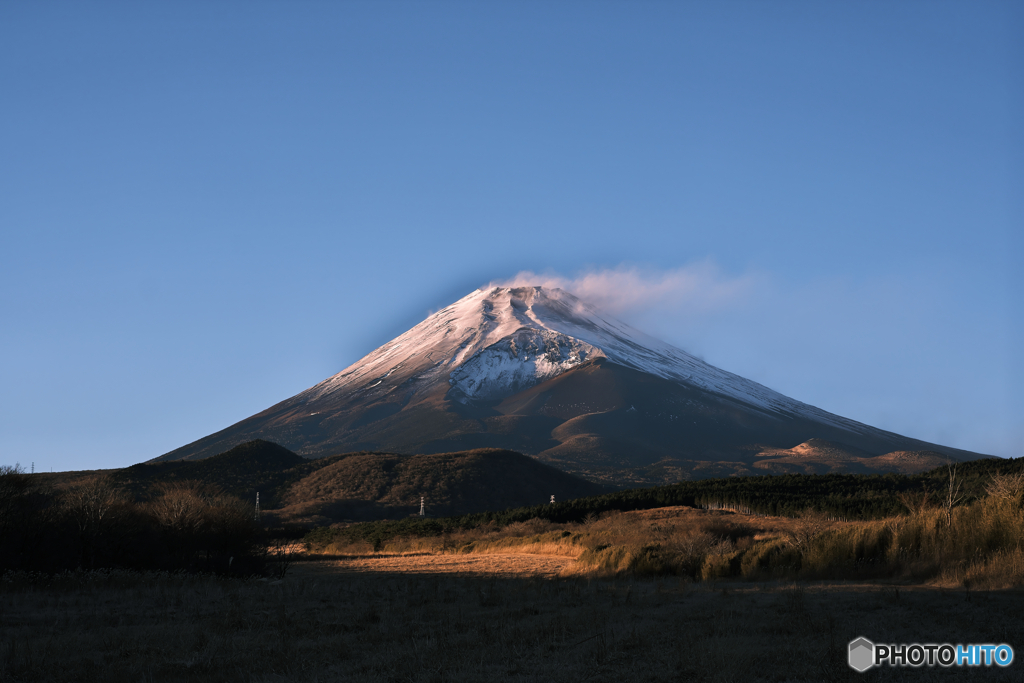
(980, 545)
(492, 565)
(322, 625)
(528, 602)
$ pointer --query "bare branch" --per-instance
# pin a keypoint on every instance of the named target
(1006, 487)
(953, 493)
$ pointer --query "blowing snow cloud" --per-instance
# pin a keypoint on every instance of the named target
(693, 288)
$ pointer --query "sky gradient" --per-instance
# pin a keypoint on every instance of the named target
(209, 207)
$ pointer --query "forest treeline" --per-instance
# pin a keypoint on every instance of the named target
(949, 532)
(194, 526)
(840, 496)
(253, 466)
(94, 523)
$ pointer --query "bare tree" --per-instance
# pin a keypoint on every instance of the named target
(1006, 487)
(202, 524)
(917, 503)
(180, 505)
(13, 486)
(953, 493)
(91, 504)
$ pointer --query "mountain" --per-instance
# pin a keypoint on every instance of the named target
(362, 486)
(250, 467)
(539, 371)
(354, 486)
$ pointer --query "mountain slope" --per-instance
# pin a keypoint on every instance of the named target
(364, 486)
(250, 467)
(383, 485)
(539, 371)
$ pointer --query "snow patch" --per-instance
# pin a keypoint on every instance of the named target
(518, 362)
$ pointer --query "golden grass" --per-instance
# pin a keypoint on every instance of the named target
(505, 565)
(981, 546)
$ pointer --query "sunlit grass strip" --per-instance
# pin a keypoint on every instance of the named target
(981, 546)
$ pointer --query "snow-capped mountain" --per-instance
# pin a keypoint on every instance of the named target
(495, 342)
(540, 371)
(488, 344)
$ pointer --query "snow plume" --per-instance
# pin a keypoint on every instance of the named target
(694, 288)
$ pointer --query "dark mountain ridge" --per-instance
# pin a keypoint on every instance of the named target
(362, 485)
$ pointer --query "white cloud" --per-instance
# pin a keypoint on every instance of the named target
(629, 290)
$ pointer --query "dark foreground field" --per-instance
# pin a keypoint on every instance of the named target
(318, 625)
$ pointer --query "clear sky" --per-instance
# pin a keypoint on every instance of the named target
(206, 208)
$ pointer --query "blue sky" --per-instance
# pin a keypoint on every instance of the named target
(208, 207)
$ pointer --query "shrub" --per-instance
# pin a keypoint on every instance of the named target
(205, 529)
(94, 524)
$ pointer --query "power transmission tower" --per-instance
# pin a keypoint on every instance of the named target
(423, 507)
(257, 516)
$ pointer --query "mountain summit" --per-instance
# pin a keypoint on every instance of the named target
(540, 371)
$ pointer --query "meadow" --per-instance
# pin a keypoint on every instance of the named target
(662, 593)
(976, 545)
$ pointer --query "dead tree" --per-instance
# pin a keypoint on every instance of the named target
(92, 504)
(953, 494)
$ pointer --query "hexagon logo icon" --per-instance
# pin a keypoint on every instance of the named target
(862, 654)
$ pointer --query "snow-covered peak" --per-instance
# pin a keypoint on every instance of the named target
(500, 340)
(463, 344)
